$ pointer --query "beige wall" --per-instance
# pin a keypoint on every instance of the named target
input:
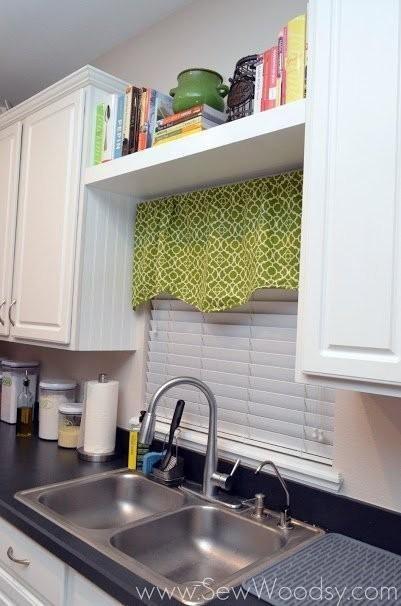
(207, 33)
(128, 368)
(215, 34)
(368, 447)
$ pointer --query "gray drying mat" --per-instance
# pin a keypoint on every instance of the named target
(332, 562)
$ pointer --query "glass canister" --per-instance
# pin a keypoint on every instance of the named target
(52, 394)
(69, 422)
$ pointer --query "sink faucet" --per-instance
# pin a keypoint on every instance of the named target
(212, 479)
(285, 519)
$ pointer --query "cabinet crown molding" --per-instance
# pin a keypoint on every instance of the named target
(85, 76)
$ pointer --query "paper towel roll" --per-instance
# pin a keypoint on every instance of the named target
(100, 416)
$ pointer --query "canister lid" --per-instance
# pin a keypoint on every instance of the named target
(57, 384)
(75, 408)
(18, 364)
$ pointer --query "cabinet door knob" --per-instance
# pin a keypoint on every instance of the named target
(1, 308)
(9, 312)
(10, 555)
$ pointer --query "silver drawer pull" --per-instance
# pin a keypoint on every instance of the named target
(9, 312)
(10, 555)
(1, 308)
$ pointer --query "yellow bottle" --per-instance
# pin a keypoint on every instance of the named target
(134, 428)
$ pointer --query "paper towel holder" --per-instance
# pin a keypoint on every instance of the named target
(95, 458)
(91, 456)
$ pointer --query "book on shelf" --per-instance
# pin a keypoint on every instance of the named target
(143, 107)
(160, 108)
(127, 119)
(282, 44)
(210, 113)
(110, 115)
(177, 131)
(269, 87)
(177, 136)
(105, 128)
(143, 119)
(154, 106)
(119, 126)
(135, 119)
(280, 72)
(99, 128)
(257, 99)
(295, 63)
(306, 53)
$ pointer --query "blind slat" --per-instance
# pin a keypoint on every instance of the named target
(247, 357)
(258, 344)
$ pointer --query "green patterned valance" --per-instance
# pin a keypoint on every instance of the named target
(213, 248)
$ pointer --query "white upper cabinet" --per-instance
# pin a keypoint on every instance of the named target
(47, 221)
(10, 141)
(350, 295)
(66, 260)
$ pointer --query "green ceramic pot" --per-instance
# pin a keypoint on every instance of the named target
(196, 86)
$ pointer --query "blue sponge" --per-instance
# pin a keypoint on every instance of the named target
(150, 459)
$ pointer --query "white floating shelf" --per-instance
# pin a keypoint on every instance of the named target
(262, 144)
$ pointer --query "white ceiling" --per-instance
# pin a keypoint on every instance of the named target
(44, 40)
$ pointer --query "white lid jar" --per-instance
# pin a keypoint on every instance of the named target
(69, 422)
(52, 394)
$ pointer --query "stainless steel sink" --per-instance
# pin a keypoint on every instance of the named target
(111, 501)
(197, 543)
(174, 540)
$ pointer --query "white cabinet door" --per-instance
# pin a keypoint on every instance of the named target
(44, 575)
(10, 144)
(13, 593)
(350, 295)
(47, 221)
(81, 592)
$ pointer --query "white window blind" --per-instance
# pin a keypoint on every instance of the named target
(247, 357)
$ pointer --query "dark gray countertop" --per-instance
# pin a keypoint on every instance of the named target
(30, 463)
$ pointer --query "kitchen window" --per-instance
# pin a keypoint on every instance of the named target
(247, 357)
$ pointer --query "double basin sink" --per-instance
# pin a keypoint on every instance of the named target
(172, 539)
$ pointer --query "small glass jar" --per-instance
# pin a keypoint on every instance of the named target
(69, 422)
(12, 383)
(52, 394)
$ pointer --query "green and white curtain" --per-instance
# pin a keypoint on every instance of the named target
(214, 247)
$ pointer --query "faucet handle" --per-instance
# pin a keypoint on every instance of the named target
(224, 480)
(235, 467)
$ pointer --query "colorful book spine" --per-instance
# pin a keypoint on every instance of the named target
(180, 119)
(161, 107)
(198, 122)
(280, 85)
(257, 100)
(134, 121)
(143, 120)
(99, 129)
(284, 67)
(151, 117)
(127, 120)
(306, 55)
(109, 132)
(177, 136)
(205, 110)
(118, 131)
(295, 65)
(270, 79)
